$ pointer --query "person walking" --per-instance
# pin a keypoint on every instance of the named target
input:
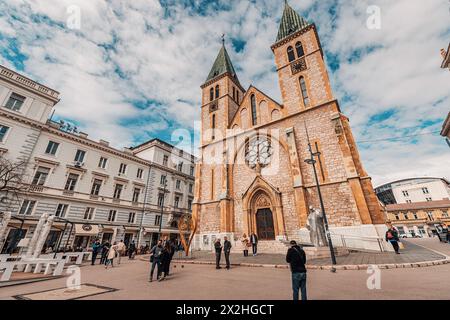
(121, 249)
(113, 251)
(246, 244)
(105, 249)
(254, 242)
(96, 246)
(218, 249)
(392, 238)
(131, 250)
(155, 259)
(226, 250)
(165, 260)
(296, 257)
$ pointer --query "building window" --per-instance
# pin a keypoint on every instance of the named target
(160, 200)
(89, 213)
(406, 216)
(211, 94)
(396, 216)
(191, 187)
(52, 147)
(40, 176)
(27, 207)
(61, 210)
(140, 173)
(131, 217)
(237, 96)
(165, 160)
(79, 156)
(122, 168)
(425, 190)
(178, 184)
(112, 215)
(415, 215)
(15, 102)
(429, 199)
(408, 201)
(136, 193)
(95, 190)
(118, 191)
(430, 216)
(217, 91)
(291, 54)
(102, 163)
(254, 115)
(299, 49)
(71, 182)
(192, 171)
(177, 202)
(3, 132)
(304, 91)
(190, 204)
(405, 193)
(234, 94)
(181, 153)
(162, 181)
(180, 167)
(157, 220)
(213, 126)
(445, 214)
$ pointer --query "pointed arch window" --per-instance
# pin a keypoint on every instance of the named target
(254, 115)
(211, 94)
(213, 126)
(299, 49)
(217, 91)
(291, 54)
(234, 94)
(304, 91)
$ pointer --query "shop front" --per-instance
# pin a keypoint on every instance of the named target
(85, 234)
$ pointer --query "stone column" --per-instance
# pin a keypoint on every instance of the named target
(4, 227)
(36, 234)
(43, 236)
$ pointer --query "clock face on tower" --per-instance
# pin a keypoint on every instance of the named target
(258, 152)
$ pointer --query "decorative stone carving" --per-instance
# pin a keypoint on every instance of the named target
(262, 202)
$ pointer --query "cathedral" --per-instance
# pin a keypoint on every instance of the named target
(252, 176)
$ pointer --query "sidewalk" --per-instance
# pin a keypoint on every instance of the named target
(412, 256)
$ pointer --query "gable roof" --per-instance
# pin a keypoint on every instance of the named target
(290, 22)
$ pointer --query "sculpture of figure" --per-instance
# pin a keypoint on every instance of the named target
(316, 228)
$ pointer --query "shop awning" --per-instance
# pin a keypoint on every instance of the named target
(86, 229)
(131, 228)
(149, 230)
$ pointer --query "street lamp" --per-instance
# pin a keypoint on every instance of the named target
(162, 208)
(312, 162)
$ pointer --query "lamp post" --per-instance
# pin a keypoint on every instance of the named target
(312, 162)
(162, 208)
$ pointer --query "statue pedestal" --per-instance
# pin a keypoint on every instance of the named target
(323, 252)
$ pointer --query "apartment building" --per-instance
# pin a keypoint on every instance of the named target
(93, 189)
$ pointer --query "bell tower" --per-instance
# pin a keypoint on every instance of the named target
(221, 96)
(302, 73)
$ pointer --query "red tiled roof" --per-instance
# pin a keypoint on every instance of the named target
(419, 205)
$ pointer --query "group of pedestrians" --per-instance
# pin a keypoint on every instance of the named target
(161, 256)
(110, 252)
(250, 242)
(226, 251)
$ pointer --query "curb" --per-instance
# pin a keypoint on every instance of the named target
(329, 267)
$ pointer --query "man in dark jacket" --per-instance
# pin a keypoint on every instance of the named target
(155, 259)
(392, 237)
(131, 250)
(296, 257)
(105, 249)
(95, 249)
(254, 242)
(218, 249)
(226, 250)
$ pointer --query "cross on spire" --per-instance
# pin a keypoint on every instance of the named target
(223, 39)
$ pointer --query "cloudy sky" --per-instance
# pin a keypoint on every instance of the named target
(132, 69)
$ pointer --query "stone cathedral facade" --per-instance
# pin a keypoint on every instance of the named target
(253, 177)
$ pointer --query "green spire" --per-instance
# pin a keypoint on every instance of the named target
(290, 22)
(222, 65)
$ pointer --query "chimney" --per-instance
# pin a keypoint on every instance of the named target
(83, 135)
(104, 142)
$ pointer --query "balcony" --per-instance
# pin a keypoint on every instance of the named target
(36, 188)
(68, 193)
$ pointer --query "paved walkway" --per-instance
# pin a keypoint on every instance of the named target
(412, 253)
(200, 282)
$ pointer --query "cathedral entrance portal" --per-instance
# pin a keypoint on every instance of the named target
(264, 224)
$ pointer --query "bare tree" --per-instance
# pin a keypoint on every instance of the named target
(12, 177)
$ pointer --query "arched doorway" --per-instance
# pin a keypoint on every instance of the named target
(264, 224)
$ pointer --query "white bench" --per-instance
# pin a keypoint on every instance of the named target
(39, 264)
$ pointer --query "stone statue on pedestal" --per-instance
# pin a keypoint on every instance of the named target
(316, 227)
